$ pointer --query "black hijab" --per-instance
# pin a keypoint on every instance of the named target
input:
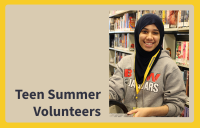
(143, 57)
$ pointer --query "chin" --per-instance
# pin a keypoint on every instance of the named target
(148, 50)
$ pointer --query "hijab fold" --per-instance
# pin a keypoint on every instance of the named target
(143, 57)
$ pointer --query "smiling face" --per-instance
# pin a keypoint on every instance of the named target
(149, 37)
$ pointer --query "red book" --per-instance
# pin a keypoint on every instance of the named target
(132, 19)
(173, 18)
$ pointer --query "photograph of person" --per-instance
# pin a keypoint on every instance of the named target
(148, 82)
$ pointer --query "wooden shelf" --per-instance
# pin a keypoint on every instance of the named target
(167, 30)
(122, 13)
(121, 31)
(113, 65)
(185, 66)
(181, 65)
(121, 50)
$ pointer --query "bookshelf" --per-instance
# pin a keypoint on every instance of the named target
(171, 37)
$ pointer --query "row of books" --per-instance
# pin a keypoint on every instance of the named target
(124, 23)
(185, 112)
(182, 52)
(170, 18)
(122, 40)
(183, 18)
(119, 56)
(186, 80)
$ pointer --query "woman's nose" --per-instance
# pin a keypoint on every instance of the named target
(149, 36)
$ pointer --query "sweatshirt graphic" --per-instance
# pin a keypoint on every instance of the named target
(163, 86)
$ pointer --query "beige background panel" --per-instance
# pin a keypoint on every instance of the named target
(65, 48)
(55, 47)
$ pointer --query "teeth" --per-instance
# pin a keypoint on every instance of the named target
(149, 43)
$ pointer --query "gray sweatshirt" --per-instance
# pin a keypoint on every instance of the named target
(163, 86)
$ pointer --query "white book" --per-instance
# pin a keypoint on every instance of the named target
(131, 42)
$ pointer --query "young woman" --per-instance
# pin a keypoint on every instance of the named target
(149, 82)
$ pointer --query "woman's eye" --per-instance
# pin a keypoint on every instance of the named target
(155, 33)
(144, 31)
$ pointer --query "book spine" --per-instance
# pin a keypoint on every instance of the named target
(142, 13)
(184, 53)
(136, 18)
(163, 17)
(116, 24)
(187, 53)
(132, 20)
(117, 57)
(119, 23)
(120, 54)
(126, 20)
(173, 18)
(181, 56)
(180, 24)
(115, 42)
(166, 19)
(186, 18)
(182, 17)
(123, 40)
(160, 14)
(123, 54)
(178, 52)
(185, 76)
(127, 40)
(185, 113)
(118, 41)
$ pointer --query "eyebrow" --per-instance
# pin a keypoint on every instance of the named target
(153, 29)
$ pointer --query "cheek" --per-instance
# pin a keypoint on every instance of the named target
(141, 38)
(157, 39)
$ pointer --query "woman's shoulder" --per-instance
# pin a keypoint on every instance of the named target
(164, 56)
(166, 61)
(128, 58)
(127, 61)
